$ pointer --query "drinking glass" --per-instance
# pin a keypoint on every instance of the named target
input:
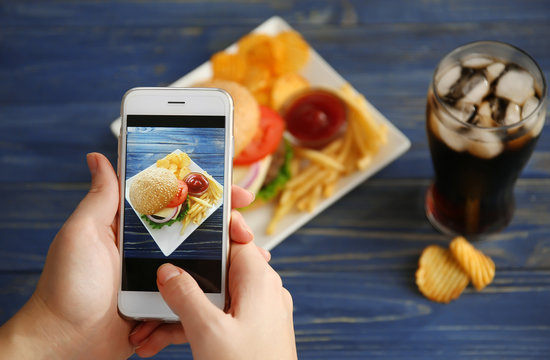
(486, 107)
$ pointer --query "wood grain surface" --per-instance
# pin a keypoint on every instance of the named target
(64, 67)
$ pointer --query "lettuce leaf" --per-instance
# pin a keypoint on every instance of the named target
(269, 191)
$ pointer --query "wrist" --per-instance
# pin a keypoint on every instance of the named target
(34, 332)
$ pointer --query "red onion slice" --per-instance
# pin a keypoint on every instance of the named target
(164, 219)
(250, 175)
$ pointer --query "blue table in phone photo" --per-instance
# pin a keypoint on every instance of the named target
(64, 67)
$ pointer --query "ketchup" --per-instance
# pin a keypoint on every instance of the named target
(315, 117)
(197, 183)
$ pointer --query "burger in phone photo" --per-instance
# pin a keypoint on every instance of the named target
(160, 198)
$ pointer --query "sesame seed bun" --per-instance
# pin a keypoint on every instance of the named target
(246, 114)
(152, 189)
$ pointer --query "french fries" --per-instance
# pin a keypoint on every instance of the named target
(323, 168)
(199, 206)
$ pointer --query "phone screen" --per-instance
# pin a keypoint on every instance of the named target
(189, 235)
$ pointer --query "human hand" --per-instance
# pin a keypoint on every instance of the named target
(73, 311)
(258, 323)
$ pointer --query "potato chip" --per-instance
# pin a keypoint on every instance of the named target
(286, 86)
(228, 66)
(263, 96)
(257, 78)
(439, 277)
(258, 49)
(291, 52)
(479, 267)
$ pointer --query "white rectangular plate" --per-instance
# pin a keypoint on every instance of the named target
(319, 73)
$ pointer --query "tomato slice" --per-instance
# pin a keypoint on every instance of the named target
(181, 195)
(272, 127)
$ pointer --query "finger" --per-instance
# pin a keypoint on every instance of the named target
(251, 280)
(265, 253)
(239, 230)
(240, 197)
(186, 299)
(163, 336)
(101, 202)
(142, 331)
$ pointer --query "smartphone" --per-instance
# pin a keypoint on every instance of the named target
(175, 166)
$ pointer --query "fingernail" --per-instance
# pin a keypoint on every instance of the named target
(252, 195)
(136, 328)
(166, 272)
(246, 227)
(249, 231)
(265, 253)
(92, 163)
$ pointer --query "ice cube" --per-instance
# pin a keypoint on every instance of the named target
(529, 106)
(494, 70)
(447, 80)
(484, 109)
(484, 144)
(475, 89)
(451, 137)
(476, 62)
(516, 86)
(513, 114)
(484, 118)
(447, 127)
(463, 112)
(498, 108)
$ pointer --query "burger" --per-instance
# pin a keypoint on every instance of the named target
(262, 156)
(160, 198)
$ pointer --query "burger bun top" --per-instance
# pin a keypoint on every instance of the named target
(246, 112)
(152, 189)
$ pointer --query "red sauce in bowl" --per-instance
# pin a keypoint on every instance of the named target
(315, 117)
(197, 183)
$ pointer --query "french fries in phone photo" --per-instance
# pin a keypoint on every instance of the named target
(198, 206)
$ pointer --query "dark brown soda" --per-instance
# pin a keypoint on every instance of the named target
(472, 195)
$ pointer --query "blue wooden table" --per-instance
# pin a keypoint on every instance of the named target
(64, 67)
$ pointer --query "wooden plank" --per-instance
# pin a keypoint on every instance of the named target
(382, 314)
(379, 225)
(170, 13)
(111, 60)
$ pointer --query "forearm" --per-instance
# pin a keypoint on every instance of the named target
(34, 333)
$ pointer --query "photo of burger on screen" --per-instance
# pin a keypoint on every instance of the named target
(172, 198)
(159, 196)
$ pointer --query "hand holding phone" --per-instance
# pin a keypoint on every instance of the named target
(257, 325)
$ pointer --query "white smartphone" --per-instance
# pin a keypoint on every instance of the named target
(175, 166)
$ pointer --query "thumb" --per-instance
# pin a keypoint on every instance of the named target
(186, 299)
(101, 202)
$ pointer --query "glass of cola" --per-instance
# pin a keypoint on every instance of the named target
(486, 107)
